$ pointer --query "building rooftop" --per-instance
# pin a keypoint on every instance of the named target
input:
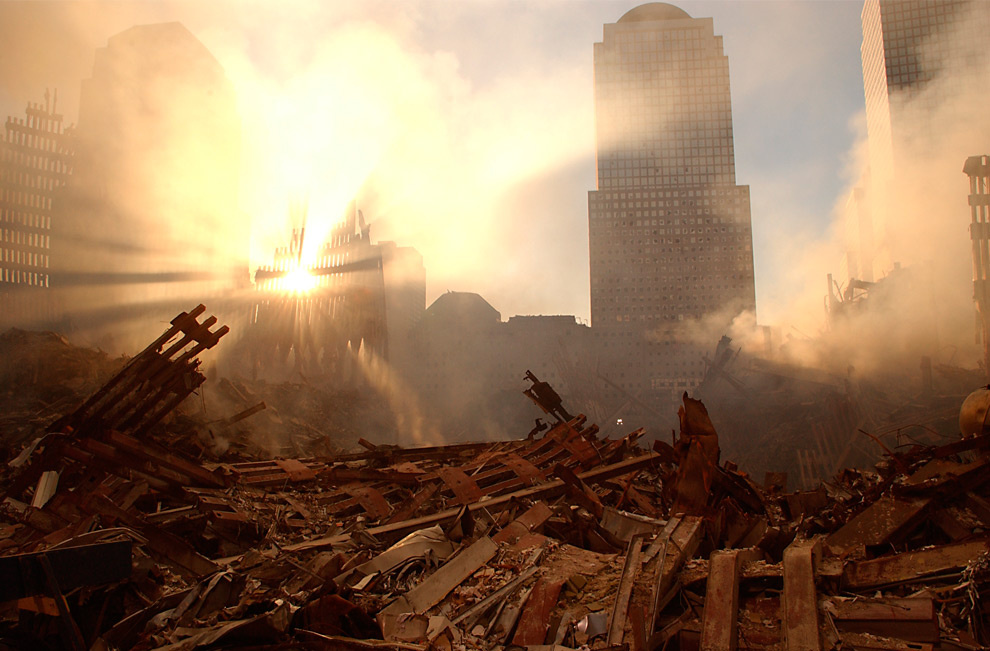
(462, 307)
(162, 42)
(654, 11)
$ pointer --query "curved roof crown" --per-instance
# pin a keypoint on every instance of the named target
(654, 11)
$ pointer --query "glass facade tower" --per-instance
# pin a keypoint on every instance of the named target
(924, 79)
(670, 231)
(907, 44)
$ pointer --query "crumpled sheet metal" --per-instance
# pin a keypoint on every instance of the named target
(546, 542)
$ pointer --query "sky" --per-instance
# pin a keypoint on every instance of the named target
(466, 128)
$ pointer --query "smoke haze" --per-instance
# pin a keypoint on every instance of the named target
(464, 130)
(918, 239)
(467, 131)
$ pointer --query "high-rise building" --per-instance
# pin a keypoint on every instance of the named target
(670, 231)
(908, 44)
(151, 214)
(924, 67)
(35, 162)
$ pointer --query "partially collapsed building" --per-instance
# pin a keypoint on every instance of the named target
(315, 314)
(35, 163)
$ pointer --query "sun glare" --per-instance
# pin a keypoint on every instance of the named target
(298, 281)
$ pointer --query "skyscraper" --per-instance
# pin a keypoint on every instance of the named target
(151, 214)
(924, 77)
(907, 44)
(670, 232)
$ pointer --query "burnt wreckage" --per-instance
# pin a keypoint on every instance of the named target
(114, 538)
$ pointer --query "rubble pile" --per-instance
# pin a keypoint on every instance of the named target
(242, 420)
(41, 376)
(777, 416)
(562, 539)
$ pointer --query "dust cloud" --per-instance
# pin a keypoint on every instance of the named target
(321, 105)
(905, 229)
(333, 103)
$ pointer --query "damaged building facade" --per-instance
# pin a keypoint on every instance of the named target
(901, 278)
(977, 168)
(315, 315)
(908, 48)
(35, 163)
(670, 233)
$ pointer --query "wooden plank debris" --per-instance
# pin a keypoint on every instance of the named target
(677, 549)
(431, 591)
(885, 521)
(544, 491)
(912, 619)
(534, 518)
(503, 592)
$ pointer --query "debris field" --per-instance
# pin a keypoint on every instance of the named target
(111, 537)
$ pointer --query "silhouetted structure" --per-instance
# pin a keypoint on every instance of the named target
(312, 315)
(907, 45)
(978, 170)
(469, 361)
(151, 215)
(35, 162)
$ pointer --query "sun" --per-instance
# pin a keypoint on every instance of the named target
(298, 281)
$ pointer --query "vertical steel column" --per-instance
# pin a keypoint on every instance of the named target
(978, 170)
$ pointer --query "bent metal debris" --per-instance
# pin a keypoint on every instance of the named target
(113, 537)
